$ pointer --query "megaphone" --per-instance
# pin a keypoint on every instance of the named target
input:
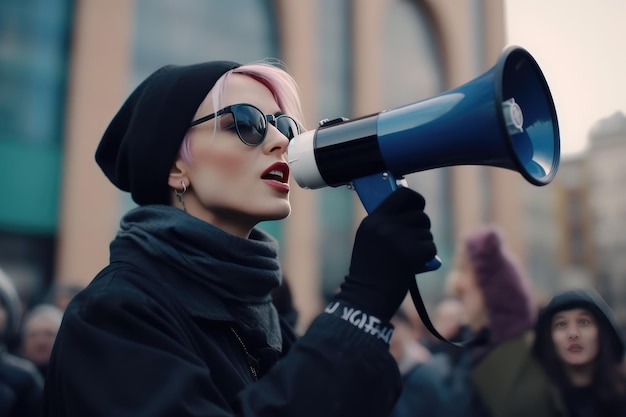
(504, 118)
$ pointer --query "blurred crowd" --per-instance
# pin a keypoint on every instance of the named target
(498, 349)
(27, 335)
(502, 350)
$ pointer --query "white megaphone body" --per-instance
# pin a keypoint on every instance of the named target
(504, 118)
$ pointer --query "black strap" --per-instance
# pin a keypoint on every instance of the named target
(421, 310)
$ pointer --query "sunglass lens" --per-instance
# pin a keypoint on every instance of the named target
(251, 125)
(287, 126)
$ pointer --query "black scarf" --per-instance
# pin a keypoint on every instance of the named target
(242, 272)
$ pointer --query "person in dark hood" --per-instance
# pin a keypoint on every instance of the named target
(181, 322)
(582, 350)
(21, 385)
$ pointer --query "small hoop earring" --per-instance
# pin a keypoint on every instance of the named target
(179, 195)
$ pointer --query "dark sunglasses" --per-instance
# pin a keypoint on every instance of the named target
(251, 124)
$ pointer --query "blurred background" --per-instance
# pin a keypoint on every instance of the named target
(67, 65)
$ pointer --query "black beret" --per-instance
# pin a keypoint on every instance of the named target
(142, 141)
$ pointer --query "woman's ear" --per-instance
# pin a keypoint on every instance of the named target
(178, 175)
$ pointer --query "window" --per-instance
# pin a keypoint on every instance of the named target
(33, 66)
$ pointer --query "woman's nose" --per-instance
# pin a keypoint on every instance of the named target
(275, 140)
(572, 332)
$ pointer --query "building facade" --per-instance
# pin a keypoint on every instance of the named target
(606, 181)
(350, 58)
(587, 218)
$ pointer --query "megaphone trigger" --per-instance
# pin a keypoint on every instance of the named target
(373, 189)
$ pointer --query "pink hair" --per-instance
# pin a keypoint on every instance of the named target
(279, 82)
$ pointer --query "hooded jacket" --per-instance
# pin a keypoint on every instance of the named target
(605, 395)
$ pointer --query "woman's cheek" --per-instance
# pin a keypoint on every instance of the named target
(224, 164)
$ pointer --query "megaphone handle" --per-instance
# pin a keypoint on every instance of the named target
(373, 189)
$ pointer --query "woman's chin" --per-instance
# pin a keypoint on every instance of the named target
(283, 213)
(278, 212)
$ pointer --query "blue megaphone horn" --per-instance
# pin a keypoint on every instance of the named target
(504, 118)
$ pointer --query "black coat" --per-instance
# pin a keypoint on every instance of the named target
(141, 340)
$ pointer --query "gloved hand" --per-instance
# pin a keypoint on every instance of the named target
(392, 244)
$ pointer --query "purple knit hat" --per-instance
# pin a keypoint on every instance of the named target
(506, 290)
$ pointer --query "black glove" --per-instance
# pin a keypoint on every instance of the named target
(392, 244)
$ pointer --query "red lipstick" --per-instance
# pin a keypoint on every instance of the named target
(277, 176)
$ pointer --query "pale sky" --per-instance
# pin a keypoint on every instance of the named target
(580, 46)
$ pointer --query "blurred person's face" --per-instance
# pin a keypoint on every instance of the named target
(464, 286)
(402, 334)
(448, 318)
(38, 338)
(575, 336)
(230, 184)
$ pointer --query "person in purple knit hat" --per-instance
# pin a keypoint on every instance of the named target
(497, 297)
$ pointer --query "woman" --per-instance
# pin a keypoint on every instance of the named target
(581, 348)
(181, 322)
